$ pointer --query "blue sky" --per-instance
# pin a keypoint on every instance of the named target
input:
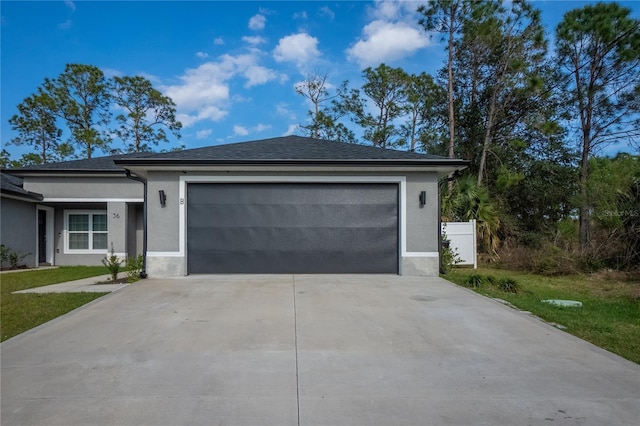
(229, 66)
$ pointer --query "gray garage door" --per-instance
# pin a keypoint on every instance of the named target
(292, 228)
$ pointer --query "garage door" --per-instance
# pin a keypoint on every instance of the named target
(292, 228)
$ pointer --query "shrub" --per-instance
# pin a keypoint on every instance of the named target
(508, 285)
(12, 257)
(112, 263)
(134, 267)
(450, 256)
(474, 280)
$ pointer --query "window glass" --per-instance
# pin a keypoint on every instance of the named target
(99, 241)
(78, 241)
(79, 222)
(100, 222)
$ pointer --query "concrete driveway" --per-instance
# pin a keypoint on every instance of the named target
(309, 350)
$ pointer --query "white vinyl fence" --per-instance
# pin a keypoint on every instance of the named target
(462, 237)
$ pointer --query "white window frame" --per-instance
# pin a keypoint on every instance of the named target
(68, 250)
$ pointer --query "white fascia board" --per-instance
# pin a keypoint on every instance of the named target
(92, 200)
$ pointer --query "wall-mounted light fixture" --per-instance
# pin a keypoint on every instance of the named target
(163, 198)
(422, 198)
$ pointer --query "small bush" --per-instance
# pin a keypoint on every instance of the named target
(112, 263)
(134, 267)
(508, 285)
(474, 281)
(450, 256)
(12, 257)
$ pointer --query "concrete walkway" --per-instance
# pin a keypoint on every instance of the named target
(309, 350)
(88, 285)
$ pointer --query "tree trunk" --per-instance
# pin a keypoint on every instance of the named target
(487, 137)
(585, 212)
(452, 126)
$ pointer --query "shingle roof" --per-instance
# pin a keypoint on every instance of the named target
(99, 164)
(291, 148)
(282, 150)
(12, 185)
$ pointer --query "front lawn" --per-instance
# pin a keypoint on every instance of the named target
(609, 317)
(21, 312)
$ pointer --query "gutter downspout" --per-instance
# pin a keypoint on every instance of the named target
(143, 271)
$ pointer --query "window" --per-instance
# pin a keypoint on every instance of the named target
(86, 231)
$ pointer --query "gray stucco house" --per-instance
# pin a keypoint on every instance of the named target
(281, 205)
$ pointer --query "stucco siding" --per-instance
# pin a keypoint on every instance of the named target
(70, 187)
(422, 222)
(18, 230)
(163, 222)
(420, 227)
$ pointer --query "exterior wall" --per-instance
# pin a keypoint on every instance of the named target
(69, 188)
(68, 259)
(19, 228)
(119, 233)
(112, 194)
(135, 229)
(419, 248)
(163, 221)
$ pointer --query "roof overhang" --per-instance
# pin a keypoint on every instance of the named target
(443, 167)
(63, 172)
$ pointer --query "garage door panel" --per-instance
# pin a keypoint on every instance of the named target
(292, 228)
(286, 193)
(306, 262)
(293, 239)
(291, 215)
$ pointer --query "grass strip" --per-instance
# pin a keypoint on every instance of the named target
(609, 317)
(22, 312)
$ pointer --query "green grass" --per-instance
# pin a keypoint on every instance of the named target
(22, 312)
(609, 317)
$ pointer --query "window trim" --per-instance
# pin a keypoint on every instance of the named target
(89, 250)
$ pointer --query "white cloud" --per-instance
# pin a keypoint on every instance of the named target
(203, 134)
(261, 127)
(300, 48)
(384, 41)
(202, 55)
(70, 5)
(203, 93)
(284, 111)
(291, 130)
(300, 15)
(255, 40)
(257, 75)
(325, 11)
(240, 130)
(110, 72)
(65, 25)
(257, 22)
(219, 41)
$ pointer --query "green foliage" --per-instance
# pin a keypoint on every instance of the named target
(12, 257)
(598, 54)
(36, 126)
(450, 256)
(80, 96)
(508, 285)
(134, 267)
(112, 263)
(465, 201)
(474, 281)
(140, 100)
